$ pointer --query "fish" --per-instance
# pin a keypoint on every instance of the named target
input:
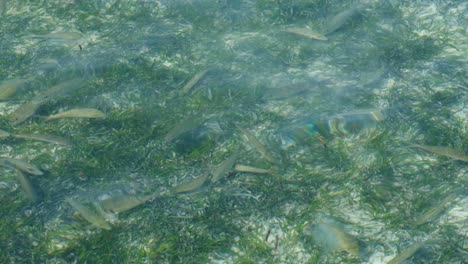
(333, 238)
(60, 35)
(92, 216)
(444, 151)
(23, 112)
(59, 91)
(245, 168)
(55, 92)
(123, 202)
(368, 78)
(302, 132)
(306, 33)
(191, 185)
(341, 19)
(3, 7)
(78, 113)
(46, 138)
(195, 79)
(258, 146)
(224, 167)
(22, 166)
(47, 64)
(351, 122)
(4, 134)
(9, 87)
(184, 126)
(436, 210)
(406, 253)
(27, 186)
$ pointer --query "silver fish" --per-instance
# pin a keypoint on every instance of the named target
(21, 165)
(46, 138)
(306, 33)
(341, 19)
(55, 92)
(436, 210)
(60, 35)
(444, 151)
(3, 7)
(78, 113)
(59, 91)
(27, 186)
(245, 168)
(406, 253)
(9, 87)
(92, 216)
(123, 202)
(186, 125)
(258, 146)
(23, 112)
(195, 79)
(191, 185)
(4, 134)
(224, 167)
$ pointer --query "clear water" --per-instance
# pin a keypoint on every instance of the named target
(185, 84)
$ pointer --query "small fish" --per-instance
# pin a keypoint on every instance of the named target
(351, 122)
(407, 253)
(224, 167)
(444, 151)
(436, 210)
(60, 35)
(9, 88)
(195, 79)
(341, 19)
(245, 168)
(92, 216)
(46, 138)
(4, 134)
(78, 113)
(258, 146)
(55, 92)
(27, 186)
(306, 33)
(191, 185)
(22, 166)
(334, 238)
(123, 202)
(59, 91)
(2, 7)
(23, 112)
(371, 77)
(184, 126)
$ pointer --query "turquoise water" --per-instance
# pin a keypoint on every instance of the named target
(328, 97)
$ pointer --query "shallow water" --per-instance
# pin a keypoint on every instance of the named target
(311, 103)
